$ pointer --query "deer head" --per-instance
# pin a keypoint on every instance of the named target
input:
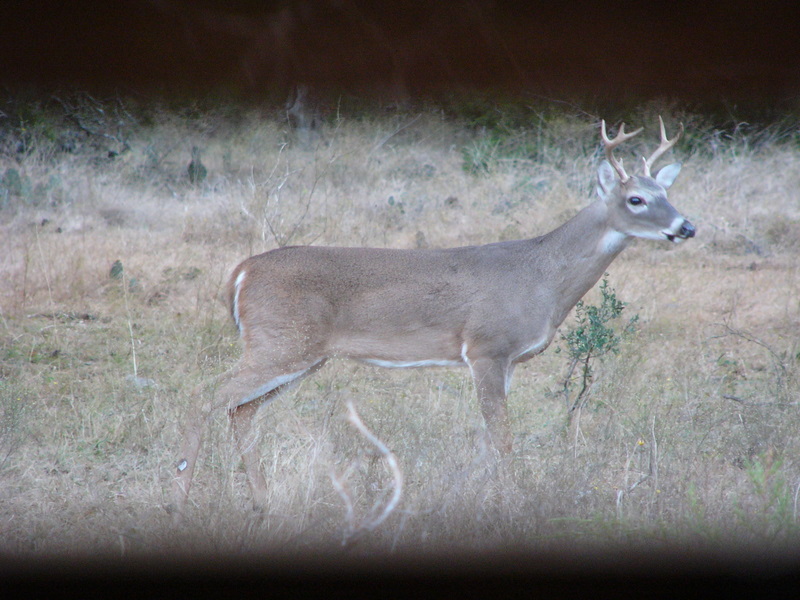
(639, 202)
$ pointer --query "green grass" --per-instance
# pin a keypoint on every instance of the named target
(690, 437)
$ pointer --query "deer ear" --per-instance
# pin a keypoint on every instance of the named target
(666, 176)
(606, 178)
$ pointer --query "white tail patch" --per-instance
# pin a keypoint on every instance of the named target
(237, 289)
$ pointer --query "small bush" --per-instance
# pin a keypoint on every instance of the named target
(591, 339)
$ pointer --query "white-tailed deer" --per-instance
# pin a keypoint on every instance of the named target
(487, 307)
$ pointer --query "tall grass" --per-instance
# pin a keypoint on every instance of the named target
(689, 436)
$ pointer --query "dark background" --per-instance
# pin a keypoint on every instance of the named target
(401, 49)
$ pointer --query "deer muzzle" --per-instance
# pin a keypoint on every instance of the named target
(685, 231)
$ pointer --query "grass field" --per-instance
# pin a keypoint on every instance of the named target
(688, 438)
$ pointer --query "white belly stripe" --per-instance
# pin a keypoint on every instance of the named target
(269, 386)
(410, 364)
(537, 345)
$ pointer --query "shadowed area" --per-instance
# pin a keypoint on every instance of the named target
(401, 48)
(565, 573)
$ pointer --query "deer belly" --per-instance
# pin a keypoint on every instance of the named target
(425, 349)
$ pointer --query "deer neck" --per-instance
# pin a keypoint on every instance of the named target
(581, 251)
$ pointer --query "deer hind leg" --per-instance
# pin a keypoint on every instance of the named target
(246, 393)
(242, 384)
(491, 378)
(194, 428)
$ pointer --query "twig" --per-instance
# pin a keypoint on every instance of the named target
(125, 284)
(654, 455)
(345, 496)
(44, 263)
(750, 403)
(395, 132)
(745, 335)
(734, 398)
(397, 475)
(397, 483)
(71, 114)
(796, 492)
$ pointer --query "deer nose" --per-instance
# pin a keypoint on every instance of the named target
(687, 230)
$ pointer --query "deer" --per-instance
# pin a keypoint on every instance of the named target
(487, 307)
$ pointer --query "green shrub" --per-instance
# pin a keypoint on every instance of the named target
(593, 338)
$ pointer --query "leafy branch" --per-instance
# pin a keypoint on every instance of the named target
(592, 338)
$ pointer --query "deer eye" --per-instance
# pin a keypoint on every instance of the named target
(636, 201)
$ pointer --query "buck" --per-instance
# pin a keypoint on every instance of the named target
(486, 307)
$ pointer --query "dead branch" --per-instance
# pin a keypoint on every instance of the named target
(353, 531)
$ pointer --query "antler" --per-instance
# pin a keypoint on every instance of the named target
(663, 147)
(611, 144)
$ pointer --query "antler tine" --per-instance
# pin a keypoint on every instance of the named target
(611, 144)
(663, 147)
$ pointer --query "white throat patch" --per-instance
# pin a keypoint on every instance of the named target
(613, 241)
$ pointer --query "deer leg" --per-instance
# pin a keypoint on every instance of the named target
(245, 429)
(194, 428)
(192, 439)
(244, 421)
(235, 385)
(491, 382)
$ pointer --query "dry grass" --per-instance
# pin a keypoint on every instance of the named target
(689, 436)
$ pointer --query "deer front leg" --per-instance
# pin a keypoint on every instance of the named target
(491, 378)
